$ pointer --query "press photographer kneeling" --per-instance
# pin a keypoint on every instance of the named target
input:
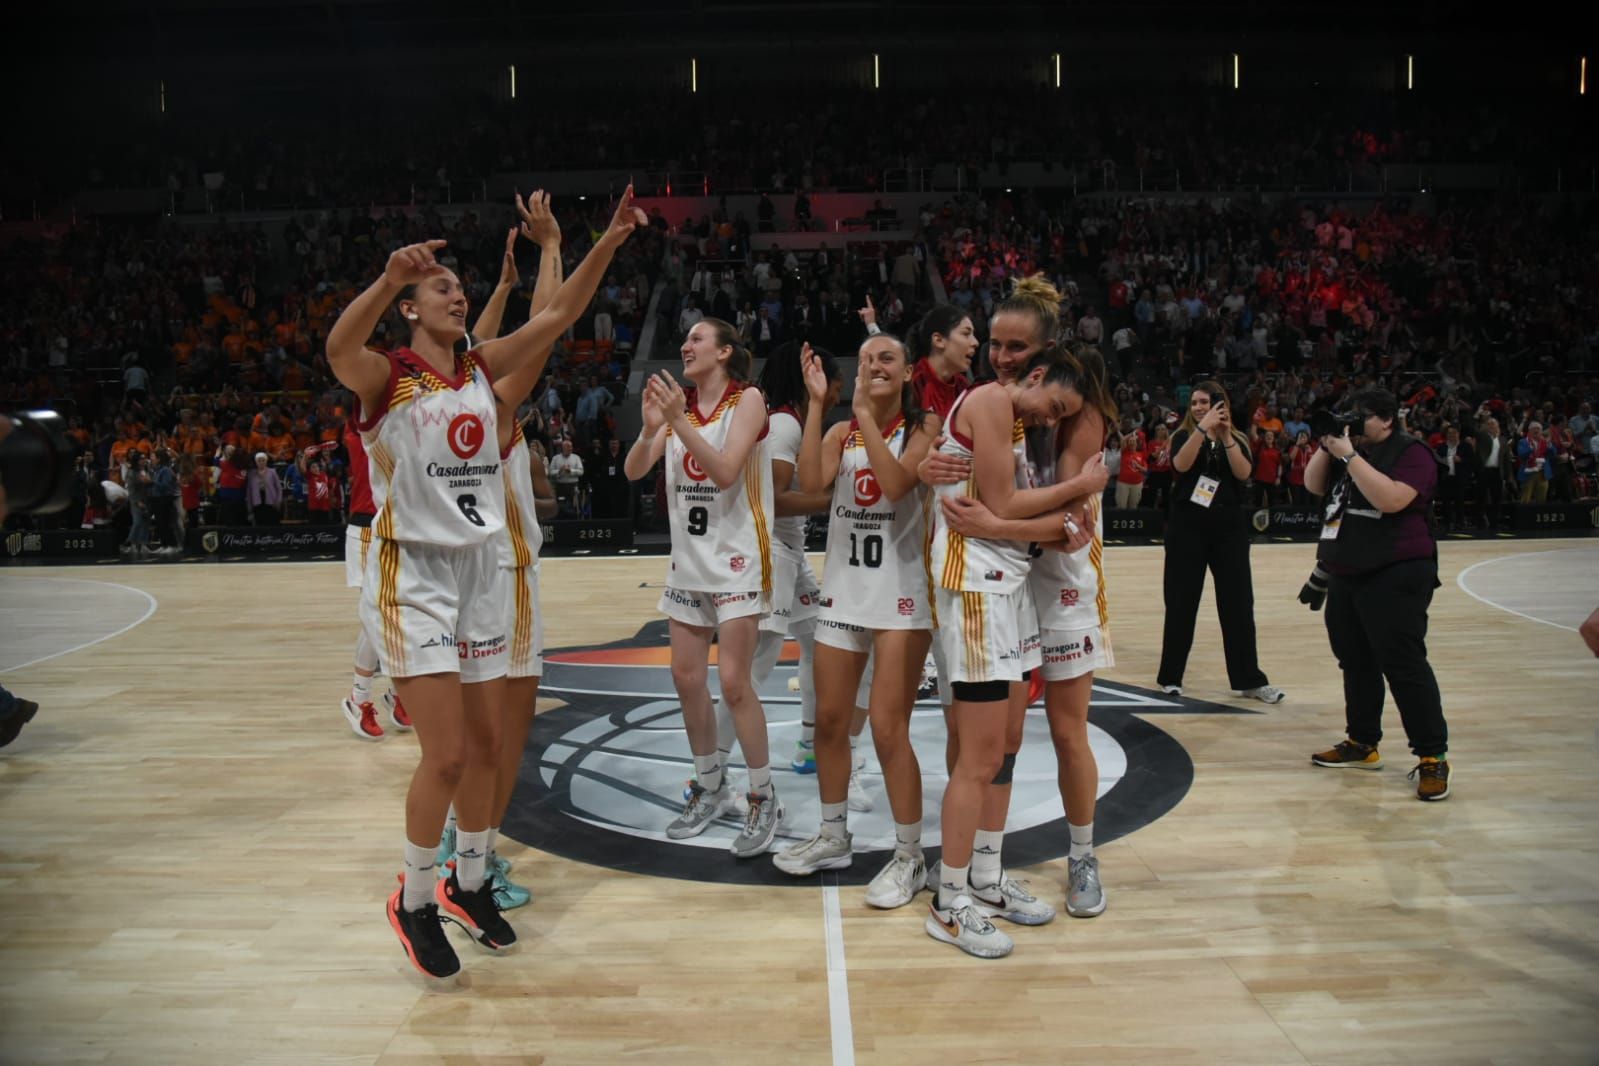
(1378, 563)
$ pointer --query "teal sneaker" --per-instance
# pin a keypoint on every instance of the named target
(804, 761)
(507, 896)
(446, 853)
(498, 865)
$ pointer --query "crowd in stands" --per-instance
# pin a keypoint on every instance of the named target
(196, 355)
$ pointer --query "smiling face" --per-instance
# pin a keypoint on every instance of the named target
(1013, 339)
(701, 353)
(1041, 403)
(440, 306)
(884, 358)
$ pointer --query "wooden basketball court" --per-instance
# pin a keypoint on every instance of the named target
(195, 851)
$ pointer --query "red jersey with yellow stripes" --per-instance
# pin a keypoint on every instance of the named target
(721, 538)
(968, 564)
(876, 571)
(523, 535)
(360, 477)
(435, 467)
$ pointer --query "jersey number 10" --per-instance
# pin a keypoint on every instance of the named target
(873, 554)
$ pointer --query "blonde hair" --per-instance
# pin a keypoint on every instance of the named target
(1037, 296)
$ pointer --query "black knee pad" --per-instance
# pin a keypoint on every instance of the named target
(981, 691)
(1007, 769)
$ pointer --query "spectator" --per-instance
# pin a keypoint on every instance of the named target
(1493, 462)
(1456, 466)
(1157, 482)
(137, 480)
(164, 503)
(1090, 330)
(264, 492)
(1535, 465)
(591, 407)
(1299, 457)
(566, 470)
(1268, 468)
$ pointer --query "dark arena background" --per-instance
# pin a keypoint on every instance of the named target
(1296, 201)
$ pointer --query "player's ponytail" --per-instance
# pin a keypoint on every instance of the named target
(740, 364)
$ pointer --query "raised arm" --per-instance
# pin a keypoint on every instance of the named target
(358, 368)
(487, 326)
(540, 227)
(989, 414)
(896, 474)
(818, 458)
(542, 329)
(651, 443)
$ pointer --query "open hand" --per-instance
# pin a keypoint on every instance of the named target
(538, 221)
(815, 377)
(508, 274)
(627, 217)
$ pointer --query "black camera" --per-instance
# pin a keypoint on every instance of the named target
(36, 463)
(1325, 423)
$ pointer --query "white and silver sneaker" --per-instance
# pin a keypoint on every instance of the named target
(1085, 896)
(859, 798)
(820, 852)
(963, 926)
(1265, 694)
(700, 809)
(1010, 901)
(897, 883)
(760, 826)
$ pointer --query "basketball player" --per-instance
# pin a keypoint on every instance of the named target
(1074, 618)
(875, 594)
(989, 629)
(432, 599)
(719, 583)
(1025, 324)
(795, 590)
(529, 497)
(358, 708)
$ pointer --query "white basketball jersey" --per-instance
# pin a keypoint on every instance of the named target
(1069, 590)
(523, 535)
(967, 564)
(431, 451)
(721, 538)
(876, 571)
(783, 432)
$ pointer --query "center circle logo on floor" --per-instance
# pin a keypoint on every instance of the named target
(604, 774)
(466, 435)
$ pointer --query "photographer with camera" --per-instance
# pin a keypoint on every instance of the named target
(1208, 529)
(1377, 566)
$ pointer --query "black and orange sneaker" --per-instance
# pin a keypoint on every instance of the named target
(422, 936)
(1434, 775)
(475, 912)
(1349, 754)
(21, 715)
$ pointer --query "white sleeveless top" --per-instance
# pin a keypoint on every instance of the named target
(431, 451)
(783, 432)
(1069, 589)
(876, 570)
(519, 548)
(721, 538)
(968, 564)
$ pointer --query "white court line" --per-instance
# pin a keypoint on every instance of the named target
(97, 640)
(1460, 579)
(837, 978)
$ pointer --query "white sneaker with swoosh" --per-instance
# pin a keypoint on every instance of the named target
(967, 929)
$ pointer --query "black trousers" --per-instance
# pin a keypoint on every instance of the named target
(1218, 542)
(1452, 499)
(1377, 625)
(1491, 496)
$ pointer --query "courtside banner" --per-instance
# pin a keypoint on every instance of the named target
(1140, 523)
(1288, 523)
(1545, 517)
(268, 540)
(64, 544)
(581, 536)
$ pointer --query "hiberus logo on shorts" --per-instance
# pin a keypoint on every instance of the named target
(466, 435)
(604, 774)
(867, 490)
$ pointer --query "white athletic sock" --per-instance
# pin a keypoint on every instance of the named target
(494, 836)
(834, 823)
(1082, 840)
(726, 735)
(951, 883)
(361, 689)
(807, 680)
(761, 780)
(708, 771)
(421, 874)
(471, 858)
(985, 857)
(908, 837)
(366, 653)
